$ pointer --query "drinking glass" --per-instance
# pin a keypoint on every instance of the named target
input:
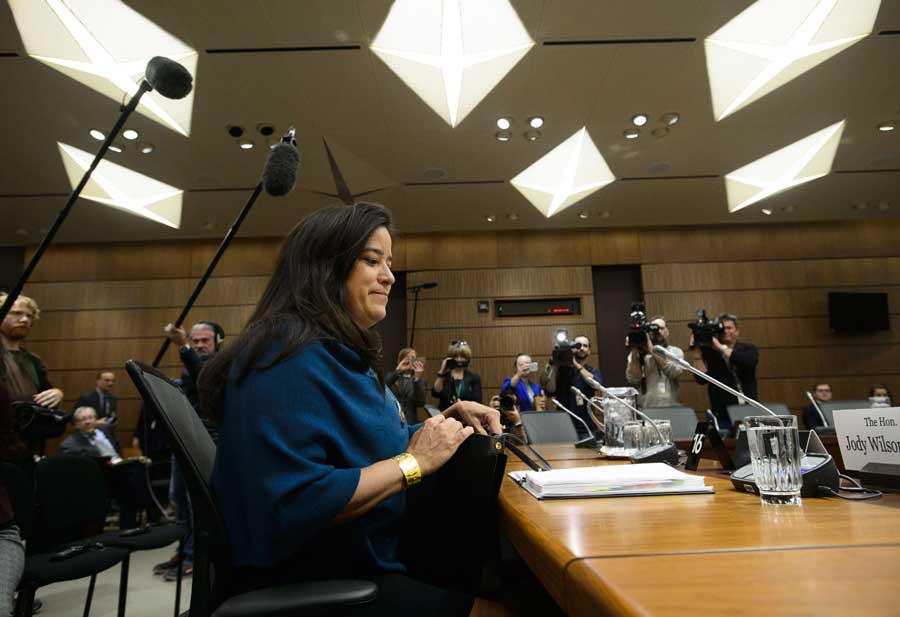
(633, 435)
(651, 437)
(775, 453)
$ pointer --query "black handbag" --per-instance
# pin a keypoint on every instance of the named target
(35, 423)
(450, 536)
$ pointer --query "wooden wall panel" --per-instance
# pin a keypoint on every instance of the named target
(615, 246)
(525, 249)
(254, 256)
(462, 312)
(444, 251)
(504, 283)
(108, 262)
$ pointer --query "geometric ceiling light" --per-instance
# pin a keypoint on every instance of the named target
(773, 41)
(564, 176)
(122, 188)
(451, 53)
(795, 164)
(105, 45)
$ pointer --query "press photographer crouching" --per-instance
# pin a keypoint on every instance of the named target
(569, 367)
(455, 382)
(655, 378)
(718, 353)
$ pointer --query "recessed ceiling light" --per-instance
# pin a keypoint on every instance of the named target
(235, 131)
(512, 216)
(115, 148)
(245, 144)
(490, 218)
(788, 208)
(670, 118)
(887, 127)
(859, 207)
(130, 134)
(582, 215)
(883, 205)
(536, 122)
(502, 135)
(660, 132)
(639, 119)
(265, 129)
(503, 123)
(98, 135)
(147, 148)
(22, 231)
(605, 214)
(766, 211)
(631, 133)
(209, 225)
(533, 135)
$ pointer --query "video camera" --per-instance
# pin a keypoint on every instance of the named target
(562, 352)
(638, 327)
(705, 330)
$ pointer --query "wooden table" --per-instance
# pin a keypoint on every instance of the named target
(569, 544)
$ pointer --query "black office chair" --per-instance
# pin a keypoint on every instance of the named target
(78, 483)
(213, 573)
(737, 413)
(548, 427)
(683, 419)
(829, 407)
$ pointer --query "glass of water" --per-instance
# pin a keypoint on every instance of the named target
(775, 453)
(651, 437)
(633, 435)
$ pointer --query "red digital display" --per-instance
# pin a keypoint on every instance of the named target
(561, 309)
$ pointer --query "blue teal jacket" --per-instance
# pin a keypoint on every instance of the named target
(292, 441)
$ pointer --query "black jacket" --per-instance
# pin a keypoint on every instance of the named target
(92, 399)
(470, 390)
(741, 368)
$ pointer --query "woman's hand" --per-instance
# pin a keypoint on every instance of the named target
(483, 419)
(404, 366)
(49, 398)
(437, 440)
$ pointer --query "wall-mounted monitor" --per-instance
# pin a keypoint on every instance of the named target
(858, 313)
(537, 307)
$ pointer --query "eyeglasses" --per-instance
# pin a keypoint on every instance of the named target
(459, 343)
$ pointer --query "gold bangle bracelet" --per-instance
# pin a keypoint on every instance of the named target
(412, 473)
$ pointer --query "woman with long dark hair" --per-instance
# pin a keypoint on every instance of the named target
(314, 453)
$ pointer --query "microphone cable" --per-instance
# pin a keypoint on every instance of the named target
(867, 493)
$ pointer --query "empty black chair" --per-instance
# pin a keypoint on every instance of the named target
(69, 506)
(683, 419)
(829, 407)
(548, 427)
(213, 573)
(737, 413)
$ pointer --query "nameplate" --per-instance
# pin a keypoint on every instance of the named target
(868, 436)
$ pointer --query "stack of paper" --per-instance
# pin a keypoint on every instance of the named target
(610, 481)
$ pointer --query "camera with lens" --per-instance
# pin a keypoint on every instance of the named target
(705, 330)
(562, 352)
(507, 402)
(638, 327)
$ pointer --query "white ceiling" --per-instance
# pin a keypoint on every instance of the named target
(382, 133)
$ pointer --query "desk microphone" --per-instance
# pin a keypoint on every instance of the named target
(817, 467)
(588, 442)
(663, 453)
(664, 353)
(818, 409)
(579, 396)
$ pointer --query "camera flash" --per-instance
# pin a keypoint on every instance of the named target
(562, 335)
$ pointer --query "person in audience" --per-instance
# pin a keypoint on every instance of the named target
(98, 440)
(559, 382)
(407, 384)
(23, 372)
(495, 402)
(314, 458)
(655, 378)
(12, 549)
(194, 350)
(521, 383)
(455, 382)
(821, 393)
(510, 416)
(880, 396)
(101, 398)
(729, 361)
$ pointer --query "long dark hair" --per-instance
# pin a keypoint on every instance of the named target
(305, 300)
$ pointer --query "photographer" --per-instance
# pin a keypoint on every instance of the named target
(527, 392)
(656, 378)
(407, 384)
(454, 381)
(569, 368)
(723, 358)
(510, 418)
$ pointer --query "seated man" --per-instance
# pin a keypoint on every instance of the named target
(821, 393)
(127, 482)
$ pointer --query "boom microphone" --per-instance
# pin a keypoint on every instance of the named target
(168, 78)
(279, 177)
(588, 442)
(280, 173)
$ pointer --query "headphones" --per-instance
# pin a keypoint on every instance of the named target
(217, 331)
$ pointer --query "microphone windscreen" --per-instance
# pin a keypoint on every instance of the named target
(168, 78)
(282, 166)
